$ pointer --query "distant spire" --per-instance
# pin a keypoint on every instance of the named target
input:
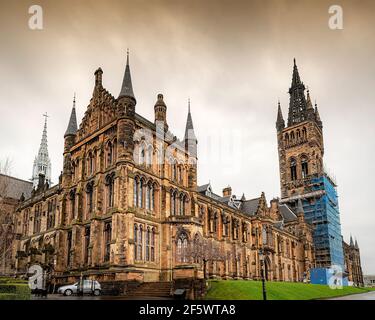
(243, 198)
(297, 103)
(72, 125)
(356, 244)
(127, 87)
(308, 100)
(42, 162)
(280, 123)
(189, 129)
(300, 207)
(351, 241)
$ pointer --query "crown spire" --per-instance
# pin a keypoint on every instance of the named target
(297, 103)
(351, 241)
(317, 117)
(127, 87)
(72, 125)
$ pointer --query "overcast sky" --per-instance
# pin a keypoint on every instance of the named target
(232, 58)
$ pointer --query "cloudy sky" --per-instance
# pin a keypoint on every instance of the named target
(232, 58)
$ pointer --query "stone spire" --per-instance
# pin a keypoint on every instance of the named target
(127, 87)
(351, 241)
(190, 138)
(280, 123)
(42, 162)
(297, 103)
(189, 129)
(356, 244)
(72, 125)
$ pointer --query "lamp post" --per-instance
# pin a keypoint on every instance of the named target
(261, 258)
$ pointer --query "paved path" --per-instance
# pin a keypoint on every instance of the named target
(361, 296)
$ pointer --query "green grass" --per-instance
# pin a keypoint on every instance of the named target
(14, 289)
(252, 290)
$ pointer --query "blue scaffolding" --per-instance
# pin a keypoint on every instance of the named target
(322, 211)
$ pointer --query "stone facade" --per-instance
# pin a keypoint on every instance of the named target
(353, 263)
(128, 208)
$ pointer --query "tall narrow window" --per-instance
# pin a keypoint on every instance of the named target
(304, 167)
(152, 198)
(140, 194)
(109, 154)
(89, 199)
(107, 239)
(182, 205)
(135, 192)
(135, 242)
(110, 184)
(148, 243)
(264, 235)
(69, 248)
(182, 247)
(140, 243)
(173, 202)
(148, 194)
(72, 197)
(87, 245)
(293, 169)
(153, 244)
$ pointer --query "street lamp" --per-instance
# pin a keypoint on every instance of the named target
(261, 258)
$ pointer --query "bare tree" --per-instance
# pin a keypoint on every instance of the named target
(206, 251)
(7, 232)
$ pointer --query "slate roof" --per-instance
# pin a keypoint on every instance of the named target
(287, 213)
(250, 206)
(12, 187)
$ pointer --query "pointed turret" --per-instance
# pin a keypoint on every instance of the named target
(42, 162)
(300, 207)
(189, 129)
(127, 87)
(356, 244)
(297, 103)
(280, 123)
(351, 241)
(317, 117)
(72, 125)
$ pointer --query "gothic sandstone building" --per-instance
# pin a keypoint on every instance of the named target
(128, 208)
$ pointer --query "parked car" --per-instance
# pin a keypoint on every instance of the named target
(89, 287)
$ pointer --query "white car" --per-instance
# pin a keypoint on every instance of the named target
(89, 287)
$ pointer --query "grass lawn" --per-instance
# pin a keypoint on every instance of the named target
(252, 290)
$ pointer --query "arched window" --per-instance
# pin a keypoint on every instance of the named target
(110, 183)
(286, 138)
(304, 167)
(182, 248)
(140, 193)
(135, 242)
(153, 244)
(173, 170)
(215, 222)
(135, 192)
(304, 133)
(140, 243)
(148, 244)
(109, 154)
(293, 169)
(182, 204)
(298, 134)
(292, 136)
(89, 197)
(264, 235)
(173, 202)
(152, 197)
(107, 239)
(72, 198)
(148, 195)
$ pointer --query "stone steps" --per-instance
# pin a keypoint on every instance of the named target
(152, 289)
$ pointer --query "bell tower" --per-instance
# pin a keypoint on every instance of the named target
(303, 180)
(300, 144)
